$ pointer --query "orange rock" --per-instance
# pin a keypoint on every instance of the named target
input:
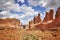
(37, 19)
(9, 22)
(49, 16)
(57, 16)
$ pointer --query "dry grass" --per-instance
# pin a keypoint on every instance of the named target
(29, 35)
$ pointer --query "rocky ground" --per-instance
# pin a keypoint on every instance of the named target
(12, 34)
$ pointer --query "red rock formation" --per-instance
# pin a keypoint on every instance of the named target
(41, 26)
(57, 16)
(48, 16)
(30, 22)
(51, 13)
(37, 19)
(9, 22)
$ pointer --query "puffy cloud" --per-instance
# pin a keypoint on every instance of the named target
(21, 1)
(3, 2)
(26, 11)
(7, 14)
(50, 3)
(34, 2)
(26, 21)
(10, 6)
(45, 3)
(4, 14)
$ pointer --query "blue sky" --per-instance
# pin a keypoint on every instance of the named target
(25, 10)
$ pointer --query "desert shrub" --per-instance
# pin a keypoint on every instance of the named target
(30, 37)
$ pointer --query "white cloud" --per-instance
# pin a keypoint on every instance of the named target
(34, 2)
(26, 21)
(21, 1)
(50, 3)
(45, 3)
(8, 6)
(3, 2)
(4, 14)
(28, 11)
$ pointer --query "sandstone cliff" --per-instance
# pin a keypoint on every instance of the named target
(9, 22)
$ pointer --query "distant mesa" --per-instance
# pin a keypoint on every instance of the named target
(9, 22)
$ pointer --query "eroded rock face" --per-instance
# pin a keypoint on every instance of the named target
(30, 24)
(9, 22)
(57, 16)
(51, 13)
(48, 16)
(37, 19)
(55, 23)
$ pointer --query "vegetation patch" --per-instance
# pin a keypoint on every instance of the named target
(30, 37)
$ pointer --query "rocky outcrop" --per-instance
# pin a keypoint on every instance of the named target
(49, 22)
(37, 19)
(31, 24)
(48, 16)
(57, 16)
(9, 22)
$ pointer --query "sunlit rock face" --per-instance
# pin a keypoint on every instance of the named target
(49, 22)
(30, 24)
(51, 13)
(57, 16)
(37, 19)
(12, 22)
(48, 16)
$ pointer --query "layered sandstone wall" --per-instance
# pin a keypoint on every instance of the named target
(9, 22)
